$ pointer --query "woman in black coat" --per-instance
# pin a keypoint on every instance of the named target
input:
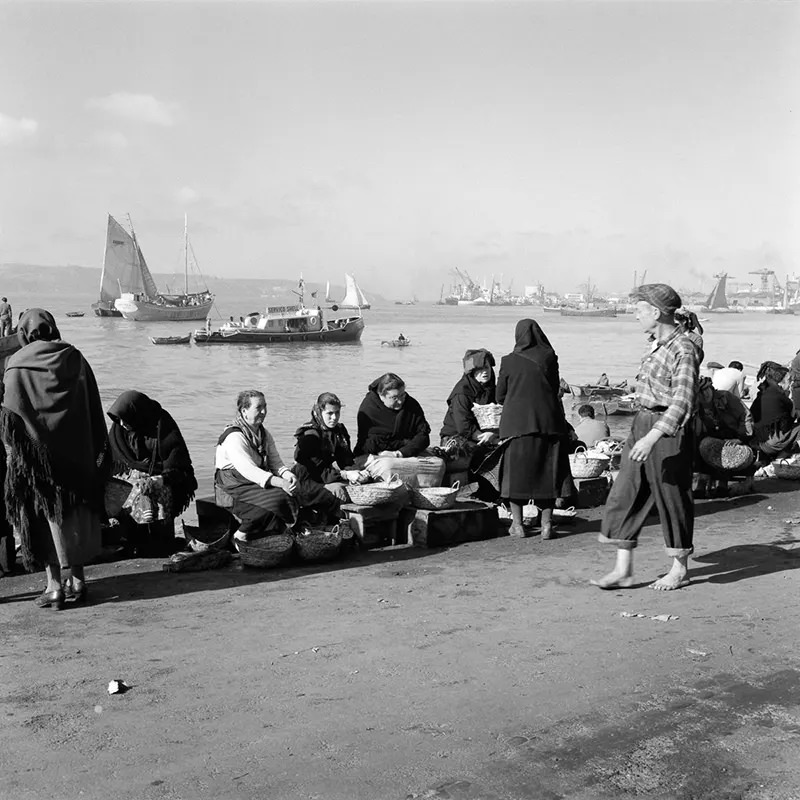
(461, 435)
(393, 435)
(535, 463)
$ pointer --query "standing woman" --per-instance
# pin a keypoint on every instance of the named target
(53, 427)
(535, 462)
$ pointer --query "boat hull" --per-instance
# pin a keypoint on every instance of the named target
(171, 339)
(102, 309)
(349, 332)
(588, 312)
(144, 311)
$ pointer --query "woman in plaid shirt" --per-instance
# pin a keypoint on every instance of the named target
(656, 464)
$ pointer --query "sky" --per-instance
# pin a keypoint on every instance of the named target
(537, 142)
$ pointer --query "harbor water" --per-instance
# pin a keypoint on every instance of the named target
(198, 384)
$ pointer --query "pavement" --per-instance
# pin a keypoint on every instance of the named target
(489, 671)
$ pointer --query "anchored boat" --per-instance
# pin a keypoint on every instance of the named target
(139, 298)
(292, 324)
(353, 296)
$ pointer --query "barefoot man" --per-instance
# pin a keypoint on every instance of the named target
(657, 460)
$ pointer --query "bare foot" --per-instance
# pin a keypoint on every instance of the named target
(670, 582)
(614, 580)
(517, 530)
(548, 532)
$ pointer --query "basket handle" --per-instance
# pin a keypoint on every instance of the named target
(456, 485)
(581, 451)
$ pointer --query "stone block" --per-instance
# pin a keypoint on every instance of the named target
(373, 526)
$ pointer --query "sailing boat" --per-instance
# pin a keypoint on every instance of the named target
(717, 301)
(140, 299)
(119, 267)
(784, 307)
(353, 296)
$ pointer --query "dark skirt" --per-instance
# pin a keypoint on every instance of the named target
(260, 509)
(535, 467)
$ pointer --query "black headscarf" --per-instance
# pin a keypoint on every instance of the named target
(532, 343)
(319, 447)
(37, 325)
(154, 445)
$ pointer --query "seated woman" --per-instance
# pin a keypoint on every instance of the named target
(322, 453)
(776, 429)
(267, 496)
(393, 435)
(149, 452)
(461, 435)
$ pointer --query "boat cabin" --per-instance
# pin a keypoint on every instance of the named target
(283, 319)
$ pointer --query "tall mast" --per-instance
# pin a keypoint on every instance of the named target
(186, 254)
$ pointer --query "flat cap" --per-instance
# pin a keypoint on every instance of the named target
(714, 365)
(660, 295)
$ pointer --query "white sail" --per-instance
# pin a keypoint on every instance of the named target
(328, 298)
(124, 267)
(353, 297)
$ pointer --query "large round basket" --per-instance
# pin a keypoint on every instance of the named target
(787, 470)
(318, 544)
(116, 493)
(267, 552)
(585, 464)
(726, 454)
(434, 498)
(488, 416)
(376, 494)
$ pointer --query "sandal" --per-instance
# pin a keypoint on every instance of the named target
(54, 599)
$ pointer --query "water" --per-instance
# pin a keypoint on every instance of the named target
(198, 384)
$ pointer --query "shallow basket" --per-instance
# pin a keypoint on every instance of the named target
(318, 544)
(787, 470)
(434, 498)
(585, 464)
(267, 552)
(530, 512)
(376, 494)
(488, 416)
(727, 454)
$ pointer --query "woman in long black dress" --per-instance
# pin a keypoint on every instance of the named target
(535, 461)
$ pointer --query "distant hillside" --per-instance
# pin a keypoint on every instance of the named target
(37, 279)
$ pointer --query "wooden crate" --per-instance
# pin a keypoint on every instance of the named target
(591, 492)
(468, 521)
(373, 526)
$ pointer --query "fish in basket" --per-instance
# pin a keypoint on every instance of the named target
(376, 494)
(270, 551)
(488, 415)
(434, 498)
(588, 463)
(202, 541)
(318, 544)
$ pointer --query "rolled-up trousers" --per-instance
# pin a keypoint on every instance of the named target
(663, 480)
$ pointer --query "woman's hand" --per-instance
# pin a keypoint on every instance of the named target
(391, 453)
(487, 437)
(288, 483)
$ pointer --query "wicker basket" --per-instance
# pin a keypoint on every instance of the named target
(488, 416)
(267, 552)
(585, 464)
(726, 454)
(376, 494)
(116, 493)
(202, 542)
(530, 512)
(787, 470)
(318, 544)
(435, 498)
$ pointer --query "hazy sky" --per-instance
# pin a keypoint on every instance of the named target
(542, 141)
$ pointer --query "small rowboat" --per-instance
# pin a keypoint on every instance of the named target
(75, 313)
(171, 339)
(396, 342)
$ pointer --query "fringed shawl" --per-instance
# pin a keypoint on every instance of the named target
(53, 426)
(153, 444)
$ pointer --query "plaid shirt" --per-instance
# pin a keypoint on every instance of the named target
(667, 381)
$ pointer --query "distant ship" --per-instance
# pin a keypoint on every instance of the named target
(717, 302)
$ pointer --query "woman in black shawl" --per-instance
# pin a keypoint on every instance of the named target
(535, 462)
(393, 435)
(776, 428)
(461, 435)
(149, 452)
(322, 454)
(52, 425)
